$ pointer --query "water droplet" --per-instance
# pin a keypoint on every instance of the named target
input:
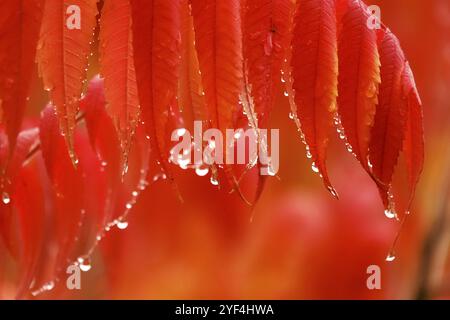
(5, 198)
(349, 148)
(104, 163)
(135, 193)
(85, 264)
(314, 167)
(390, 257)
(48, 87)
(159, 176)
(48, 286)
(391, 214)
(214, 181)
(286, 94)
(201, 171)
(128, 206)
(291, 115)
(122, 225)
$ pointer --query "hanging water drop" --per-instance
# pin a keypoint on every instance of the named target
(201, 172)
(390, 257)
(314, 167)
(349, 148)
(48, 286)
(389, 213)
(214, 181)
(85, 264)
(6, 198)
(122, 225)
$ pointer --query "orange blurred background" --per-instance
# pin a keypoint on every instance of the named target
(298, 243)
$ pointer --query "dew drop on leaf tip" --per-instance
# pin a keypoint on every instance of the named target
(389, 213)
(214, 181)
(122, 225)
(85, 264)
(390, 257)
(314, 167)
(6, 198)
(201, 171)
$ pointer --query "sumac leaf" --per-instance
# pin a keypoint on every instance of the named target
(62, 57)
(359, 79)
(19, 29)
(67, 190)
(314, 71)
(29, 201)
(413, 145)
(117, 68)
(265, 41)
(390, 119)
(157, 55)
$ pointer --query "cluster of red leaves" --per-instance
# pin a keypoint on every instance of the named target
(168, 62)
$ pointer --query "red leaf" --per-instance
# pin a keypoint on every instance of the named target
(388, 131)
(67, 195)
(103, 138)
(314, 71)
(63, 57)
(413, 146)
(29, 200)
(265, 40)
(26, 141)
(157, 44)
(117, 67)
(359, 79)
(101, 130)
(192, 98)
(19, 28)
(266, 37)
(218, 40)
